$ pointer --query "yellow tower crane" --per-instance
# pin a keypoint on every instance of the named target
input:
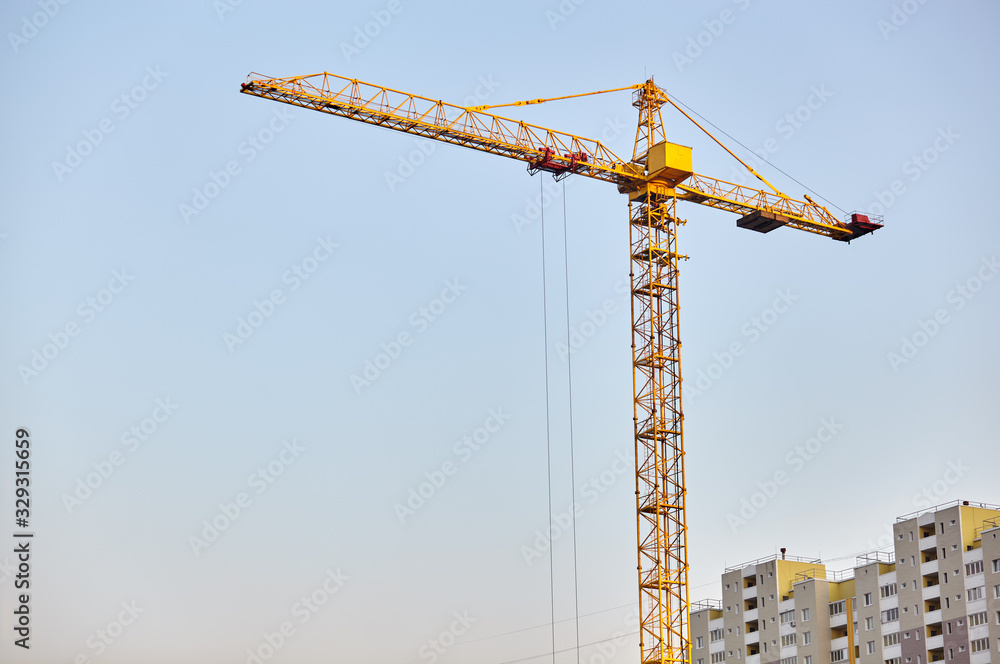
(658, 175)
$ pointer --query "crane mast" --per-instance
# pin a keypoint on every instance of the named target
(658, 175)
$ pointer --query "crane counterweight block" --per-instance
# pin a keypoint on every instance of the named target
(762, 221)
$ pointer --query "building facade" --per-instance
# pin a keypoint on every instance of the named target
(934, 598)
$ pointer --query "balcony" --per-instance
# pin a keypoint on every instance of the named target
(837, 644)
(935, 642)
(753, 659)
(932, 592)
(928, 543)
(750, 593)
(838, 620)
(752, 638)
(750, 615)
(929, 568)
(932, 618)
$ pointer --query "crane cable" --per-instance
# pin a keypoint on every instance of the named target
(548, 429)
(548, 433)
(572, 449)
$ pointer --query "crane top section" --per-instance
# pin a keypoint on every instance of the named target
(656, 164)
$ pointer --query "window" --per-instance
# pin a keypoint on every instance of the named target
(906, 635)
(904, 582)
(727, 586)
(974, 568)
(739, 653)
(906, 609)
(911, 536)
(715, 635)
(718, 657)
(976, 593)
(787, 616)
(996, 566)
(980, 644)
(871, 647)
(805, 615)
(947, 628)
(977, 619)
(739, 631)
(894, 660)
(890, 639)
(770, 574)
(808, 659)
(729, 630)
(869, 624)
(953, 522)
(868, 599)
(838, 608)
(998, 617)
(913, 561)
(890, 615)
(961, 621)
(838, 655)
(788, 640)
(807, 638)
(729, 608)
(951, 653)
(946, 577)
(789, 660)
(947, 602)
(996, 592)
(701, 642)
(701, 660)
(887, 590)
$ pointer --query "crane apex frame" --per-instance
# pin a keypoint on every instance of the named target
(659, 175)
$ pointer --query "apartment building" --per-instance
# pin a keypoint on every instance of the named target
(934, 597)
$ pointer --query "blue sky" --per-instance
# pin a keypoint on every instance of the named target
(335, 238)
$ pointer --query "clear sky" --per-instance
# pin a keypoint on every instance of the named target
(149, 208)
